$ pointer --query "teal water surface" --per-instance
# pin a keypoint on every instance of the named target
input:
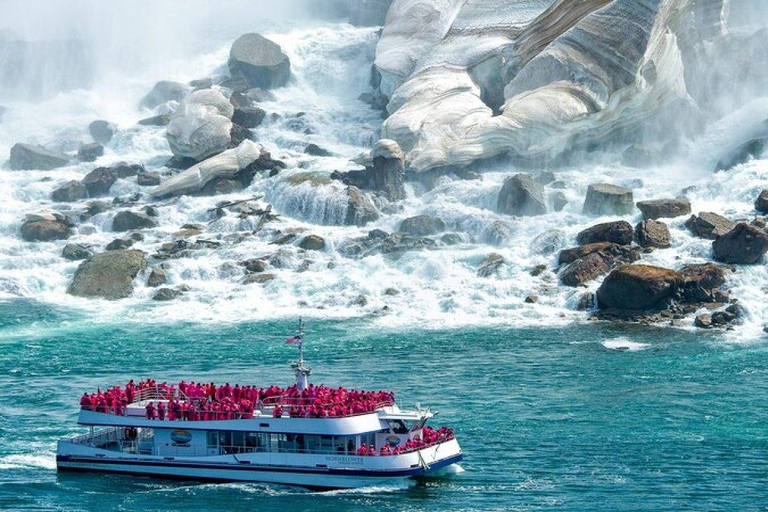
(549, 418)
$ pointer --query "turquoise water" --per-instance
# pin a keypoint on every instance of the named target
(591, 417)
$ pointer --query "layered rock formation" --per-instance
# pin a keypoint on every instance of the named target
(474, 79)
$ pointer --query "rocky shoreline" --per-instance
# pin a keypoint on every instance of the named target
(209, 125)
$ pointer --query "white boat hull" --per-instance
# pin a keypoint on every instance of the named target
(312, 471)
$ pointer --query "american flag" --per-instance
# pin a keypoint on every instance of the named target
(293, 340)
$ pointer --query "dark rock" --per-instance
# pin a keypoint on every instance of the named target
(74, 252)
(531, 299)
(99, 181)
(584, 269)
(545, 178)
(238, 134)
(617, 232)
(162, 92)
(451, 239)
(743, 244)
(165, 294)
(102, 131)
(108, 275)
(159, 120)
(180, 162)
(250, 117)
(387, 174)
(626, 253)
(258, 278)
(70, 192)
(742, 154)
(703, 321)
(90, 152)
(652, 233)
(255, 266)
(721, 318)
(45, 228)
(360, 209)
(226, 186)
(201, 83)
(148, 179)
(150, 210)
(127, 220)
(701, 281)
(377, 234)
(559, 201)
(391, 292)
(29, 157)
(157, 277)
(521, 195)
(312, 243)
(490, 265)
(607, 199)
(97, 207)
(259, 61)
(315, 150)
(664, 208)
(638, 288)
(538, 270)
(125, 170)
(119, 244)
(586, 302)
(422, 225)
(709, 225)
(285, 239)
(761, 203)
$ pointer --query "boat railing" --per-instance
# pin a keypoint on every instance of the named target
(98, 438)
(160, 393)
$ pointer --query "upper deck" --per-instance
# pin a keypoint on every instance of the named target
(315, 410)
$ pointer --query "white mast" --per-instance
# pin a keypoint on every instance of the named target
(301, 371)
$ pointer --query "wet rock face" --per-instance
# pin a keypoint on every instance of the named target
(761, 203)
(638, 288)
(619, 232)
(102, 131)
(590, 261)
(312, 243)
(70, 192)
(90, 152)
(744, 244)
(157, 277)
(45, 228)
(652, 233)
(742, 154)
(522, 195)
(259, 61)
(664, 208)
(29, 157)
(248, 117)
(386, 175)
(99, 181)
(360, 209)
(701, 281)
(490, 265)
(422, 225)
(163, 92)
(108, 275)
(166, 294)
(607, 199)
(128, 220)
(709, 225)
(75, 252)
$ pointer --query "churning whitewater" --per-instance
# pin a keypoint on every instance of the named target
(481, 266)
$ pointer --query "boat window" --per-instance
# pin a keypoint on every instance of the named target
(398, 426)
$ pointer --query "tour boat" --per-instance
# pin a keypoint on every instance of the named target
(305, 435)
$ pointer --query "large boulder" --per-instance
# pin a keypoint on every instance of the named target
(70, 192)
(588, 262)
(29, 157)
(99, 181)
(626, 252)
(761, 203)
(163, 92)
(259, 61)
(45, 227)
(90, 152)
(75, 252)
(128, 220)
(102, 131)
(664, 208)
(607, 199)
(490, 265)
(521, 195)
(700, 281)
(360, 208)
(652, 233)
(201, 127)
(385, 175)
(709, 225)
(422, 225)
(312, 243)
(742, 154)
(108, 275)
(617, 232)
(743, 244)
(249, 117)
(638, 288)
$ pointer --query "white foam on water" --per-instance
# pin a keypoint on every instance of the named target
(624, 344)
(27, 460)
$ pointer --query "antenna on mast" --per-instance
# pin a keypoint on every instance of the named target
(301, 371)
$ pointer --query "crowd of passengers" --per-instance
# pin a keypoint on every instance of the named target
(429, 437)
(210, 402)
